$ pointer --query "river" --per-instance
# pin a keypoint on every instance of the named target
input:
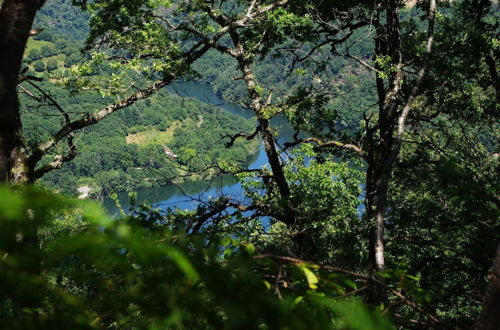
(188, 195)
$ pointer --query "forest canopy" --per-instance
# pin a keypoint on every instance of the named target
(377, 205)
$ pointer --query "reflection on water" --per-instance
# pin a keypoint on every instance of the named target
(186, 195)
(204, 93)
(189, 194)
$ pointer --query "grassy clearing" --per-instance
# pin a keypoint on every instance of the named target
(36, 44)
(153, 135)
(60, 59)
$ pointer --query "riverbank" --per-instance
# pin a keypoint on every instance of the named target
(153, 144)
(88, 188)
(188, 194)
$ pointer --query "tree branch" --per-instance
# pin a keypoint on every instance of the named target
(59, 160)
(234, 137)
(400, 296)
(327, 144)
(418, 82)
(34, 32)
(23, 78)
(94, 118)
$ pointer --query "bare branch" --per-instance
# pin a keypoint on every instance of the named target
(35, 32)
(410, 303)
(58, 159)
(33, 96)
(300, 261)
(361, 61)
(421, 72)
(327, 144)
(404, 299)
(234, 137)
(201, 219)
(23, 78)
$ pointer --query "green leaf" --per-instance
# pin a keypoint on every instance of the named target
(249, 248)
(356, 316)
(182, 262)
(10, 204)
(312, 279)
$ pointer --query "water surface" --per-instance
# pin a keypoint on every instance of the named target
(189, 195)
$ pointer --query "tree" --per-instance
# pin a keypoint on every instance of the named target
(427, 153)
(72, 59)
(52, 64)
(35, 54)
(15, 27)
(385, 128)
(46, 51)
(383, 138)
(39, 66)
(171, 63)
(383, 145)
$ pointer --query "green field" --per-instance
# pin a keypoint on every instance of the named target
(36, 44)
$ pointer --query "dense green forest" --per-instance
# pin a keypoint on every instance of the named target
(127, 151)
(379, 211)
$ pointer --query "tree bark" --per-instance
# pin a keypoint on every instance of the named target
(490, 315)
(16, 19)
(388, 43)
(383, 149)
(258, 105)
(274, 159)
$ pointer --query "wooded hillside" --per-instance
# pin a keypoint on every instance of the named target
(379, 210)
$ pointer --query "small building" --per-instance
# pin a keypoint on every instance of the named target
(169, 152)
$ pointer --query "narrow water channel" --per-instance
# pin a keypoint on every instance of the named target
(189, 194)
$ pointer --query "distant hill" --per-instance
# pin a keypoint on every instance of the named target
(126, 150)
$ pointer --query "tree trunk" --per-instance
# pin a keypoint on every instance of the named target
(380, 146)
(16, 18)
(274, 160)
(490, 315)
(377, 186)
(257, 105)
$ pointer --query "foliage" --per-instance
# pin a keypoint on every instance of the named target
(106, 161)
(92, 272)
(326, 196)
(200, 268)
(118, 165)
